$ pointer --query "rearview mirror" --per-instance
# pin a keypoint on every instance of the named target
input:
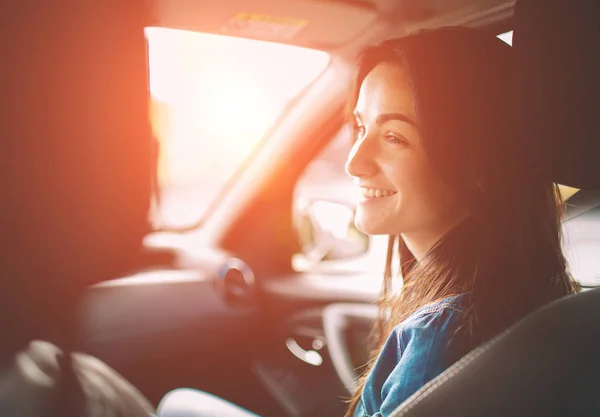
(327, 232)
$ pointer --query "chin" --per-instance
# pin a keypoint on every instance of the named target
(369, 228)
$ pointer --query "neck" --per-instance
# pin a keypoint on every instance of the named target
(419, 243)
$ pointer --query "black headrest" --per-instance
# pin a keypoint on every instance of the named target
(76, 149)
(557, 43)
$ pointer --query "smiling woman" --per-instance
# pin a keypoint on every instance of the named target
(213, 99)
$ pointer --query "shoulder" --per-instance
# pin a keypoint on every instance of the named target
(454, 303)
(419, 349)
(423, 346)
(444, 316)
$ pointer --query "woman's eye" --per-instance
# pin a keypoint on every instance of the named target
(394, 139)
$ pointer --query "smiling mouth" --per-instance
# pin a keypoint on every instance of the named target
(375, 192)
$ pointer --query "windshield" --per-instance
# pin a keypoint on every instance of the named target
(213, 99)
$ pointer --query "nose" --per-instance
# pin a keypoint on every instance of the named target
(361, 160)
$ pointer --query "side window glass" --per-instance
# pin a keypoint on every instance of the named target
(582, 246)
(325, 201)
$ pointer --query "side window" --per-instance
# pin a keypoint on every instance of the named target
(582, 246)
(324, 204)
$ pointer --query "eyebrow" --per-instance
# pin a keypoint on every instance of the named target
(386, 117)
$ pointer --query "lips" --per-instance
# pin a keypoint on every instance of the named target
(368, 192)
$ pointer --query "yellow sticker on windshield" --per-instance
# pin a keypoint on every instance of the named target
(254, 25)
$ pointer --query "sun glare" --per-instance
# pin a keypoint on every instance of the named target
(213, 99)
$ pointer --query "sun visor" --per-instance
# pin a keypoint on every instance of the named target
(314, 24)
(557, 43)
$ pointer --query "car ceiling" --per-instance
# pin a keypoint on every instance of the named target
(324, 24)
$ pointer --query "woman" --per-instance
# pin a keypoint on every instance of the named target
(474, 214)
(441, 165)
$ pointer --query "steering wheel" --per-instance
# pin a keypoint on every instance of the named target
(337, 319)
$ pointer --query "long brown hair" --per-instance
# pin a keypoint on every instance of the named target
(507, 255)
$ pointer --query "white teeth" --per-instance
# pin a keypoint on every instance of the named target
(375, 192)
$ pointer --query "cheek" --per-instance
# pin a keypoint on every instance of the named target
(411, 172)
(424, 196)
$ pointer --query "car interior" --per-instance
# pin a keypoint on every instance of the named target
(264, 293)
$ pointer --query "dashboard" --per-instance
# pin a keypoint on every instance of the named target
(301, 336)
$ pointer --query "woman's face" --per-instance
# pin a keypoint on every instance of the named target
(401, 191)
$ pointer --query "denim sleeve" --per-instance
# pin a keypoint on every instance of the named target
(415, 353)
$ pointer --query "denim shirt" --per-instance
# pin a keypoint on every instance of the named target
(416, 352)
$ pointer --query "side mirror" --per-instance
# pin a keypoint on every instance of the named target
(327, 232)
